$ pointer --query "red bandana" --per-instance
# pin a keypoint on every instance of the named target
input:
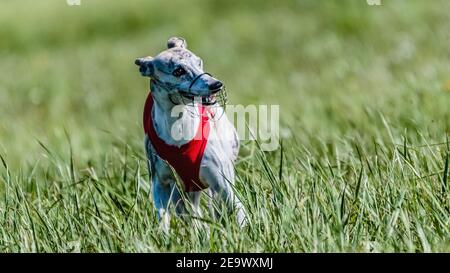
(185, 159)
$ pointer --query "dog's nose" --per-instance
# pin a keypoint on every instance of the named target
(216, 86)
(138, 61)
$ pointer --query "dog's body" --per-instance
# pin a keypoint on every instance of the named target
(178, 71)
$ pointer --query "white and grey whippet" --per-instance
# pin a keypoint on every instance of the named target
(172, 133)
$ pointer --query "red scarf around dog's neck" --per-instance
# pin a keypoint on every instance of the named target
(185, 159)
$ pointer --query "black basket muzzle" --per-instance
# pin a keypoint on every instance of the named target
(217, 97)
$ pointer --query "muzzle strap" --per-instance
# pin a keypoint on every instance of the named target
(196, 78)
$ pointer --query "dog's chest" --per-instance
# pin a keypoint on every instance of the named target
(187, 153)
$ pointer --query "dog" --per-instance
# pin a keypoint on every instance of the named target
(205, 154)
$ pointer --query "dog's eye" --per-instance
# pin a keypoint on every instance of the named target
(179, 72)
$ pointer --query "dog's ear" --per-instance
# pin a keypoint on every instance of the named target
(176, 42)
(146, 66)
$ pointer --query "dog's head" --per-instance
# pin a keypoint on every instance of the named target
(178, 71)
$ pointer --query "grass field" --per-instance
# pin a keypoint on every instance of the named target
(364, 95)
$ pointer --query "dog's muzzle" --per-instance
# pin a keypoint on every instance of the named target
(217, 96)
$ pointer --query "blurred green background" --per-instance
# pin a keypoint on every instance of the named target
(364, 95)
(335, 67)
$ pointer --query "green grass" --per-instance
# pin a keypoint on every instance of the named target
(364, 95)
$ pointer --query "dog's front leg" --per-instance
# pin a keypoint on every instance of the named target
(161, 198)
(226, 194)
(194, 202)
(164, 189)
(221, 182)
